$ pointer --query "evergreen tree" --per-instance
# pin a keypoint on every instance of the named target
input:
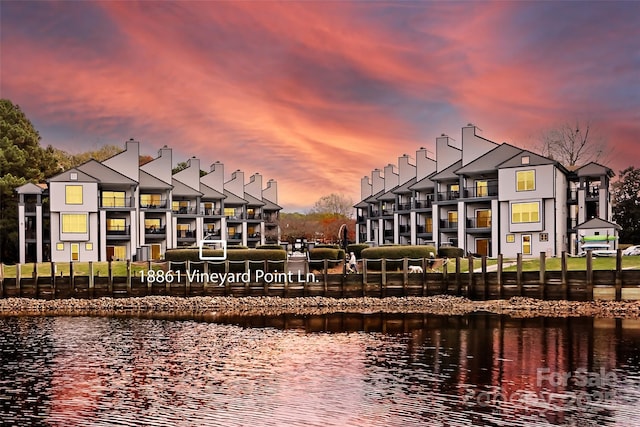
(626, 205)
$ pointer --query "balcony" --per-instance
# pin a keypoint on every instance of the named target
(362, 219)
(118, 232)
(404, 229)
(593, 192)
(155, 204)
(387, 212)
(238, 216)
(476, 192)
(444, 196)
(424, 204)
(235, 236)
(448, 225)
(253, 236)
(271, 219)
(30, 208)
(210, 212)
(115, 203)
(186, 236)
(154, 233)
(479, 223)
(185, 210)
(404, 206)
(254, 216)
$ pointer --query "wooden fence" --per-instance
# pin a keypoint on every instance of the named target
(174, 280)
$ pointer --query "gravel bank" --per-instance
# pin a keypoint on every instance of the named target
(448, 305)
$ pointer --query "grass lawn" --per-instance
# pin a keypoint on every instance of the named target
(119, 268)
(599, 263)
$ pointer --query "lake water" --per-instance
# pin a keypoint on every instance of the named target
(337, 370)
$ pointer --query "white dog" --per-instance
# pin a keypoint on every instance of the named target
(415, 269)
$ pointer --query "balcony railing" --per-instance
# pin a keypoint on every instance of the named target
(235, 236)
(236, 216)
(572, 195)
(387, 212)
(30, 207)
(388, 233)
(256, 215)
(155, 232)
(424, 204)
(478, 222)
(449, 224)
(448, 195)
(211, 212)
(593, 192)
(404, 206)
(156, 204)
(185, 210)
(186, 234)
(116, 202)
(404, 228)
(120, 230)
(474, 192)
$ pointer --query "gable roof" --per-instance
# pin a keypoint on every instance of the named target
(232, 199)
(210, 193)
(490, 160)
(270, 206)
(374, 197)
(252, 201)
(424, 184)
(29, 188)
(447, 173)
(182, 189)
(404, 188)
(593, 168)
(150, 182)
(534, 160)
(66, 176)
(597, 223)
(105, 174)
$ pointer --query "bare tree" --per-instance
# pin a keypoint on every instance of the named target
(574, 144)
(336, 204)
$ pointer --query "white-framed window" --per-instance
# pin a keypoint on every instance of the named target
(74, 223)
(526, 180)
(525, 212)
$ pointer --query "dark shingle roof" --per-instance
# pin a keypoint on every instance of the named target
(150, 182)
(105, 174)
(490, 160)
(448, 173)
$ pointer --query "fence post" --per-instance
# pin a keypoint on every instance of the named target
(19, 279)
(470, 290)
(563, 275)
(187, 282)
(53, 279)
(1, 280)
(499, 277)
(110, 281)
(485, 283)
(445, 276)
(458, 276)
(325, 274)
(405, 273)
(128, 277)
(589, 275)
(91, 284)
(542, 278)
(72, 280)
(364, 277)
(383, 279)
(519, 274)
(618, 275)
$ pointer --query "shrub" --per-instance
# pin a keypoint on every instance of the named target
(450, 252)
(236, 259)
(396, 254)
(270, 246)
(318, 255)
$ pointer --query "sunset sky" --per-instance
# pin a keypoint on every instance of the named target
(317, 94)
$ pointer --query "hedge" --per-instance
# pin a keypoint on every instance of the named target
(396, 253)
(236, 258)
(318, 255)
(450, 252)
(357, 249)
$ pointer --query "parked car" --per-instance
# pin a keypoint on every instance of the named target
(632, 251)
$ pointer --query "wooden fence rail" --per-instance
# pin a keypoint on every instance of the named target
(199, 279)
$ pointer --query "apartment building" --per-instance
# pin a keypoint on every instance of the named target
(118, 210)
(485, 198)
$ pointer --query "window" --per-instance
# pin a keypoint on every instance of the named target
(113, 199)
(544, 237)
(525, 160)
(60, 246)
(428, 225)
(211, 228)
(230, 212)
(454, 191)
(181, 206)
(525, 180)
(482, 188)
(452, 217)
(511, 238)
(207, 208)
(151, 225)
(73, 176)
(525, 212)
(117, 253)
(526, 244)
(251, 213)
(88, 246)
(116, 224)
(73, 194)
(483, 218)
(74, 223)
(150, 200)
(75, 252)
(183, 230)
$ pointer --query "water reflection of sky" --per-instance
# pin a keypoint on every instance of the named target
(342, 369)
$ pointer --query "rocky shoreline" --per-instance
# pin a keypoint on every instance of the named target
(442, 305)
